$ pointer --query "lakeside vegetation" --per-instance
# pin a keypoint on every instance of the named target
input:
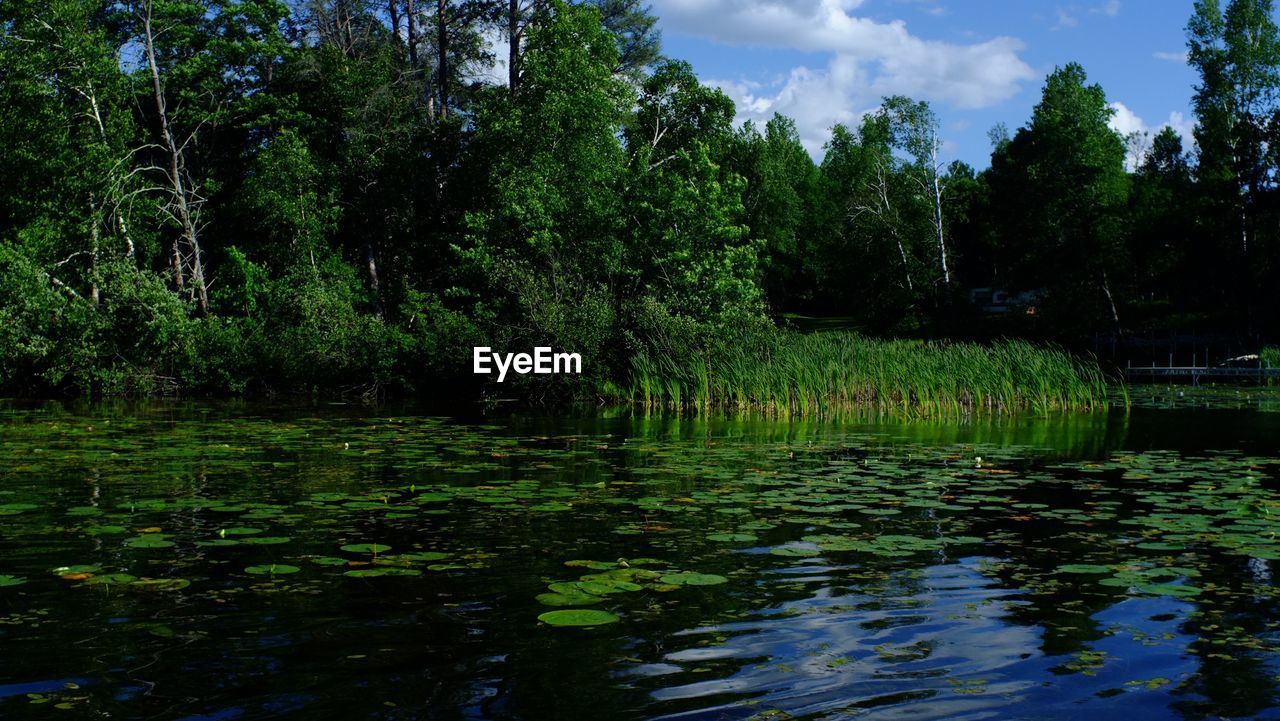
(829, 372)
(339, 196)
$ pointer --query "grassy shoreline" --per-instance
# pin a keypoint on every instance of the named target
(815, 373)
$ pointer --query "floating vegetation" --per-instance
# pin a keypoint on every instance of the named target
(578, 617)
(273, 569)
(722, 553)
(373, 548)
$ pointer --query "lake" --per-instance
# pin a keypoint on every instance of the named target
(253, 561)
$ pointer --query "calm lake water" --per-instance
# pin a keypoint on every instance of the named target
(178, 561)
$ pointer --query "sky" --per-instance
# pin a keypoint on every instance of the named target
(978, 62)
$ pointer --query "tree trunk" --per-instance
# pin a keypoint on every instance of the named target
(906, 264)
(181, 204)
(513, 49)
(94, 233)
(442, 46)
(938, 223)
(371, 264)
(1106, 288)
(413, 32)
(393, 12)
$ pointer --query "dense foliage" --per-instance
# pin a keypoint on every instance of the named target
(252, 195)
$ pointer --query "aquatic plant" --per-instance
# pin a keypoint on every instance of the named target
(790, 374)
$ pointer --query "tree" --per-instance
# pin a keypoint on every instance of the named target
(782, 182)
(635, 27)
(65, 140)
(1237, 54)
(1061, 188)
(689, 248)
(203, 64)
(1168, 268)
(543, 247)
(914, 128)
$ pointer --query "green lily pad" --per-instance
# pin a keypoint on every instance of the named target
(578, 617)
(150, 540)
(75, 570)
(265, 540)
(568, 599)
(693, 579)
(110, 579)
(383, 571)
(732, 537)
(276, 569)
(1083, 568)
(11, 581)
(1169, 589)
(366, 548)
(160, 584)
(217, 543)
(794, 551)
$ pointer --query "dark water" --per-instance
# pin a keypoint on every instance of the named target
(187, 562)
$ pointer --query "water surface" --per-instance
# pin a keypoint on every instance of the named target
(339, 562)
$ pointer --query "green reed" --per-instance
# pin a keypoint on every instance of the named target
(789, 373)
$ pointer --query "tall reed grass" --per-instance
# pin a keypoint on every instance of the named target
(789, 373)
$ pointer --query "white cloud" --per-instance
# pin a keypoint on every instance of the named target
(1171, 57)
(1126, 122)
(868, 60)
(1110, 8)
(1069, 16)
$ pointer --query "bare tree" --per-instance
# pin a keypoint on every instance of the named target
(881, 207)
(183, 203)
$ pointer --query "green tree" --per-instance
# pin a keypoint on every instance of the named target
(688, 246)
(1237, 54)
(914, 128)
(1062, 190)
(543, 247)
(782, 182)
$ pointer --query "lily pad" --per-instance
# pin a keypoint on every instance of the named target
(1083, 568)
(160, 584)
(732, 537)
(1170, 589)
(383, 571)
(366, 548)
(568, 599)
(693, 579)
(578, 617)
(150, 540)
(794, 551)
(265, 540)
(110, 579)
(275, 569)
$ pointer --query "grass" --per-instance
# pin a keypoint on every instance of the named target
(797, 374)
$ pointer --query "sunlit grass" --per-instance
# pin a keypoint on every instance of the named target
(789, 373)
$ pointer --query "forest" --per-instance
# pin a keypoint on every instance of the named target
(223, 197)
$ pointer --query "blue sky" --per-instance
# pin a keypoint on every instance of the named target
(979, 62)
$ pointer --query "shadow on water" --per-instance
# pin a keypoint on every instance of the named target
(244, 561)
